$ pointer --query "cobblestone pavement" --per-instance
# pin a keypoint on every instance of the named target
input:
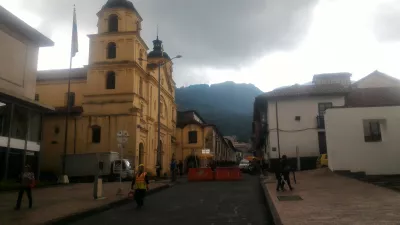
(56, 202)
(199, 203)
(332, 199)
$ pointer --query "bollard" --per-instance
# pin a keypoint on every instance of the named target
(98, 188)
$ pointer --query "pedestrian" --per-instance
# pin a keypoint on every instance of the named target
(27, 179)
(158, 169)
(173, 170)
(140, 185)
(180, 167)
(285, 168)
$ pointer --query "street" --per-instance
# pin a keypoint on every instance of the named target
(196, 203)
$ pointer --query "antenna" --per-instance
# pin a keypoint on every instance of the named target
(157, 31)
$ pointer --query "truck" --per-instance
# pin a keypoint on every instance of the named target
(106, 165)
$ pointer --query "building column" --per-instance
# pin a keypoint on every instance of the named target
(8, 142)
(40, 148)
(27, 135)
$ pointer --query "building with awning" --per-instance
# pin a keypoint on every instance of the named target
(20, 112)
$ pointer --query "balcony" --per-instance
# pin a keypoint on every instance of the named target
(320, 122)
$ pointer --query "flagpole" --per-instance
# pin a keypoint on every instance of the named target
(68, 97)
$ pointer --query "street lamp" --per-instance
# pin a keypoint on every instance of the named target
(160, 64)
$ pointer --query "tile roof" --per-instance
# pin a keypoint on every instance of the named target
(307, 90)
(372, 97)
(62, 74)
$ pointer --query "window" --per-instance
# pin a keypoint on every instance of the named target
(113, 23)
(192, 137)
(71, 99)
(110, 80)
(372, 131)
(324, 106)
(161, 109)
(96, 134)
(111, 50)
(141, 57)
(141, 87)
(36, 97)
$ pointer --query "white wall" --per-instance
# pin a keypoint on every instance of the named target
(306, 140)
(18, 64)
(347, 149)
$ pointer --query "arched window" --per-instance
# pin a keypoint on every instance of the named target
(111, 50)
(141, 57)
(96, 134)
(110, 80)
(113, 23)
(141, 153)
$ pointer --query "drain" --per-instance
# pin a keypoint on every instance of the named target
(289, 198)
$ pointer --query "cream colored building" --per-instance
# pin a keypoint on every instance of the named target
(115, 91)
(20, 114)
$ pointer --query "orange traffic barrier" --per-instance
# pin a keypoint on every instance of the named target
(228, 173)
(200, 174)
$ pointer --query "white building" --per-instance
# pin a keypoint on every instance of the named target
(295, 117)
(364, 136)
(295, 114)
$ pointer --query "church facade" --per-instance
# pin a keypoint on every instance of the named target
(117, 90)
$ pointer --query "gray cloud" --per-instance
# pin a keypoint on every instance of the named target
(386, 22)
(209, 33)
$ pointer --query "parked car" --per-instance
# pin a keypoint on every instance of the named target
(322, 161)
(244, 165)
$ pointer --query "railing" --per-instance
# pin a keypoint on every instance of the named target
(320, 122)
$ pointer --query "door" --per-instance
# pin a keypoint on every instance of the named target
(322, 143)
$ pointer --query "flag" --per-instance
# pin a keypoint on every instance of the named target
(74, 43)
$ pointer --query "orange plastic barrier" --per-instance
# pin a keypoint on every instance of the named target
(200, 174)
(229, 173)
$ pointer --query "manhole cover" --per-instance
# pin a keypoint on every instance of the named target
(289, 198)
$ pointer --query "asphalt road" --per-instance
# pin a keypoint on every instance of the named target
(200, 203)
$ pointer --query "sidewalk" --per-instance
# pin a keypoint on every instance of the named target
(57, 202)
(332, 199)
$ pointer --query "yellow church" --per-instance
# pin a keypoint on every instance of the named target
(117, 90)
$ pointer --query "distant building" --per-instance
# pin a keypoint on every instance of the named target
(291, 120)
(193, 135)
(20, 112)
(243, 149)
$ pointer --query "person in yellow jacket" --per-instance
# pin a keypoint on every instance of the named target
(140, 185)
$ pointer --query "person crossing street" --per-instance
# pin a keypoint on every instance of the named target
(140, 185)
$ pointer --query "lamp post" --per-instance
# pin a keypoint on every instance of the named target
(159, 65)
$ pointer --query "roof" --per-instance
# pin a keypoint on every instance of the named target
(185, 117)
(377, 73)
(110, 4)
(372, 97)
(17, 25)
(62, 74)
(306, 90)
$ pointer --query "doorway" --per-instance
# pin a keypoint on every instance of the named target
(322, 143)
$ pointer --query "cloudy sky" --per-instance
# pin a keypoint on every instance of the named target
(269, 43)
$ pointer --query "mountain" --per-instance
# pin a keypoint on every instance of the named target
(227, 105)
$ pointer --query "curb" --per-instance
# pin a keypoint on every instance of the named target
(275, 215)
(81, 215)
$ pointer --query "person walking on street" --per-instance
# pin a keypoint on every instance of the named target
(27, 179)
(158, 169)
(173, 170)
(180, 167)
(140, 185)
(285, 168)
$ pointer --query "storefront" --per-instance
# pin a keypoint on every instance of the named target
(20, 135)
